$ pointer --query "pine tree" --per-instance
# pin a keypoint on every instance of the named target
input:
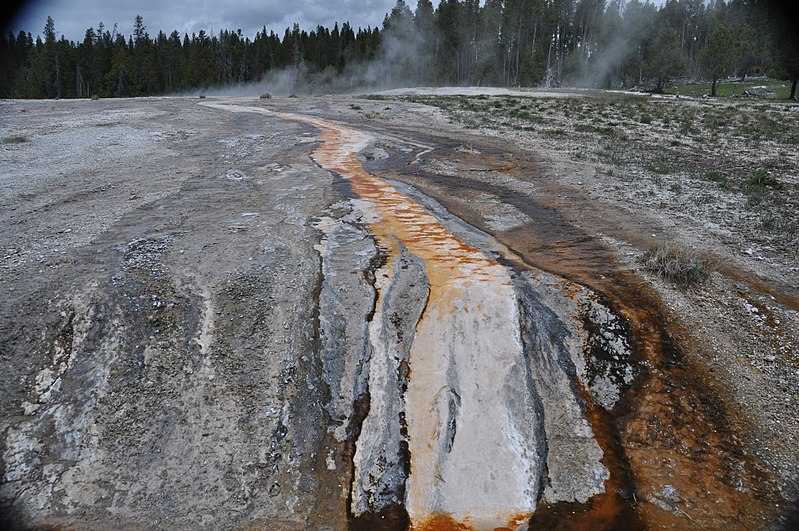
(717, 55)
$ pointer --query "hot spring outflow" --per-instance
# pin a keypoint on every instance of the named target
(475, 371)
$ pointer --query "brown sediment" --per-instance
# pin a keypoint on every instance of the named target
(441, 522)
(552, 237)
(668, 432)
(454, 270)
(613, 509)
(390, 518)
(673, 430)
(783, 294)
(453, 266)
(444, 522)
(670, 429)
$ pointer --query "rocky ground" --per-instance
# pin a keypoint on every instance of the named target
(187, 294)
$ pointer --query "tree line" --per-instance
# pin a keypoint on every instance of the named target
(597, 43)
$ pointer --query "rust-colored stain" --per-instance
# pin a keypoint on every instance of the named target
(441, 522)
(449, 260)
(515, 522)
(667, 431)
(445, 522)
(454, 269)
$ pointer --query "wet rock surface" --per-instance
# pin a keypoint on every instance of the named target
(382, 458)
(238, 326)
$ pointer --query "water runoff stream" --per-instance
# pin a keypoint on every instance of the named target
(481, 391)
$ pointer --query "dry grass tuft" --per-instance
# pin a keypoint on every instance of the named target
(680, 265)
(15, 139)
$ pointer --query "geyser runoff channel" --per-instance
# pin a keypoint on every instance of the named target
(491, 416)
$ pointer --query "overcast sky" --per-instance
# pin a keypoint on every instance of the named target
(73, 17)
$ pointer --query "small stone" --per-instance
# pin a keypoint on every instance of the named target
(663, 506)
(669, 492)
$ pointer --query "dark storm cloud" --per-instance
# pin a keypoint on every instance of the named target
(73, 17)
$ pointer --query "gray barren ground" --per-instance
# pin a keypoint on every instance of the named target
(159, 319)
(332, 313)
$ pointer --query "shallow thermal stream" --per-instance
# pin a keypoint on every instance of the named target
(473, 370)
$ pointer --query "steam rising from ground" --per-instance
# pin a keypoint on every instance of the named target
(402, 60)
(410, 53)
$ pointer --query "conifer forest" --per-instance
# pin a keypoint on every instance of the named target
(591, 43)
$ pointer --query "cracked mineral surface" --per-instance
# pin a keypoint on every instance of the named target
(270, 315)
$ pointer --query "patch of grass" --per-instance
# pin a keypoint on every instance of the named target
(768, 126)
(645, 119)
(762, 179)
(774, 88)
(534, 118)
(660, 168)
(355, 107)
(679, 265)
(701, 200)
(779, 225)
(769, 223)
(687, 127)
(15, 139)
(718, 178)
(610, 154)
(555, 133)
(588, 128)
(716, 122)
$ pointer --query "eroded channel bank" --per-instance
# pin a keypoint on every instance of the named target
(476, 372)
